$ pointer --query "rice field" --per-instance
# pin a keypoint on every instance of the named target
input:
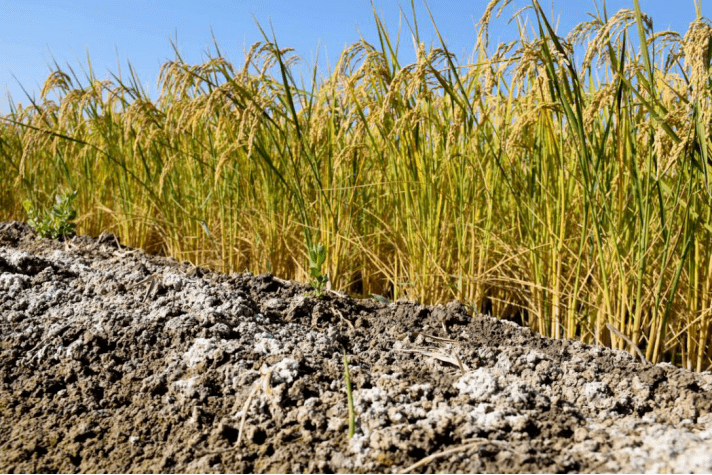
(567, 195)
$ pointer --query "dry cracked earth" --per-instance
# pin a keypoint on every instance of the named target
(112, 360)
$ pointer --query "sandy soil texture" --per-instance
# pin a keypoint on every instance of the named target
(114, 360)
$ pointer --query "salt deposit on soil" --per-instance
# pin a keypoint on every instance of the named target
(114, 360)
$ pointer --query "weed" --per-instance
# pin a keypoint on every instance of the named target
(317, 257)
(350, 398)
(56, 221)
(380, 298)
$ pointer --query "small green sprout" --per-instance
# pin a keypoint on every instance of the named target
(56, 221)
(380, 299)
(349, 397)
(317, 257)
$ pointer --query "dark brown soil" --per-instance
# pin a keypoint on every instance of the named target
(112, 360)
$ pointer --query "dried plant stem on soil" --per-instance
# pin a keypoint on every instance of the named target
(445, 453)
(453, 359)
(632, 345)
(341, 316)
(442, 340)
(264, 380)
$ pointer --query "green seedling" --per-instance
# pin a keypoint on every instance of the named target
(56, 221)
(350, 397)
(317, 257)
(380, 299)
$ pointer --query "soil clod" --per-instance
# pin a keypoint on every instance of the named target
(115, 360)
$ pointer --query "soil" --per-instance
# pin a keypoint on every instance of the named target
(112, 360)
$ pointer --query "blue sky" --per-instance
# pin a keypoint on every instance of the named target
(33, 32)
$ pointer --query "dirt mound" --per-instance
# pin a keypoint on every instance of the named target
(114, 360)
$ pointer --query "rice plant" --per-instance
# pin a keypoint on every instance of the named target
(566, 195)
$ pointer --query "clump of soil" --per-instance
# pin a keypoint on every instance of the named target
(114, 360)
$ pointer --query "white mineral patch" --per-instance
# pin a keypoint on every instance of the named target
(13, 256)
(267, 345)
(13, 283)
(663, 449)
(479, 384)
(285, 371)
(504, 364)
(533, 357)
(488, 418)
(373, 396)
(421, 390)
(595, 390)
(520, 392)
(273, 303)
(199, 352)
(173, 281)
(186, 387)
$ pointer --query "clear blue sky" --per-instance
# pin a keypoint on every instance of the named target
(32, 32)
